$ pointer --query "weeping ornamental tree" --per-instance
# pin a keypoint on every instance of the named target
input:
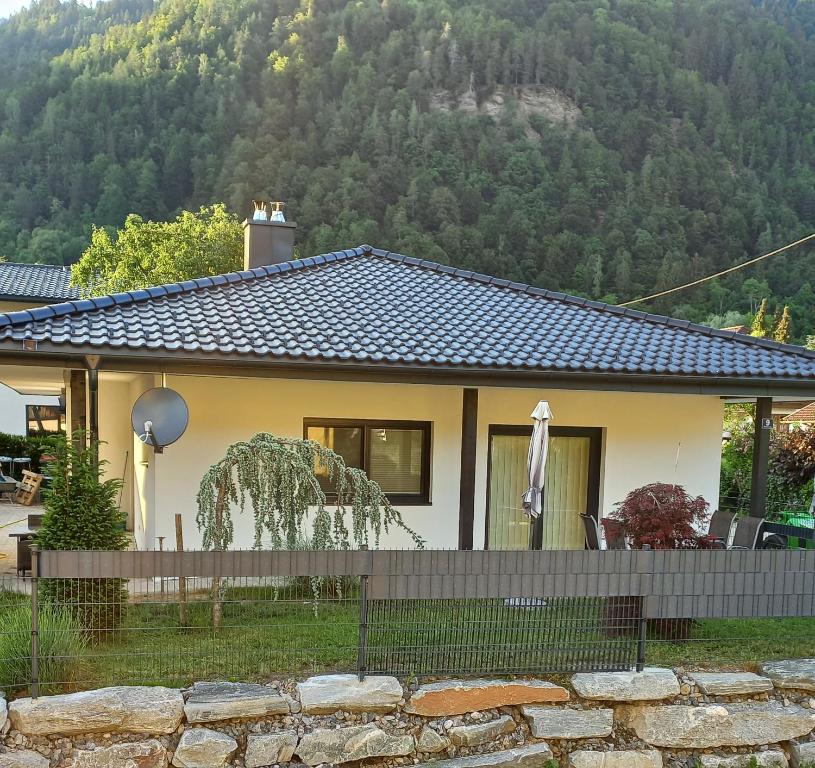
(278, 475)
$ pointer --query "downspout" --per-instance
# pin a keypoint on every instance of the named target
(92, 363)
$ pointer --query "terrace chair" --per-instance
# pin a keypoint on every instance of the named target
(721, 523)
(748, 533)
(614, 533)
(593, 538)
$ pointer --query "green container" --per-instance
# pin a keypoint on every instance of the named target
(799, 520)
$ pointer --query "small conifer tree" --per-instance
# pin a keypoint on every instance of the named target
(81, 514)
(759, 326)
(781, 327)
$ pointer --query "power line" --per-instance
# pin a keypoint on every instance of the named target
(723, 272)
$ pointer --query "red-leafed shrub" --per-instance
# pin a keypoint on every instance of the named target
(663, 516)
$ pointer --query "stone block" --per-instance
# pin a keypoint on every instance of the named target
(325, 694)
(23, 758)
(138, 754)
(457, 697)
(734, 725)
(130, 709)
(344, 745)
(481, 733)
(210, 702)
(652, 684)
(797, 673)
(269, 748)
(431, 741)
(532, 756)
(731, 683)
(620, 759)
(203, 748)
(802, 754)
(563, 723)
(769, 759)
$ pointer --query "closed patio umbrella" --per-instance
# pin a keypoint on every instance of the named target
(536, 459)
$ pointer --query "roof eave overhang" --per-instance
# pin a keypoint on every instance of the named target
(245, 366)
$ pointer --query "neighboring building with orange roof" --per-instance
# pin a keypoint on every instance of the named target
(805, 415)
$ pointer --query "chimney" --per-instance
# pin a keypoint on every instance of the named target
(267, 241)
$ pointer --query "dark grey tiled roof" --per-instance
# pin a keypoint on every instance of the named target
(373, 307)
(39, 282)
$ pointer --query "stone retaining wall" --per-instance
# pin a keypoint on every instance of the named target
(655, 719)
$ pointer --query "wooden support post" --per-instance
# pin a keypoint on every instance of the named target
(183, 615)
(761, 456)
(469, 440)
(78, 403)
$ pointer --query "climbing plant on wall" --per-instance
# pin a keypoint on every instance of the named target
(279, 477)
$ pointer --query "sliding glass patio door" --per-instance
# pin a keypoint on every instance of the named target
(571, 488)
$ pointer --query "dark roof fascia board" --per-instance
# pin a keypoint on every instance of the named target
(237, 367)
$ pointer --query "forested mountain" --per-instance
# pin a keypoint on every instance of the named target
(604, 147)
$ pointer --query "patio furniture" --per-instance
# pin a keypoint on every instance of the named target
(24, 541)
(593, 538)
(721, 524)
(28, 488)
(749, 530)
(21, 463)
(614, 534)
(8, 488)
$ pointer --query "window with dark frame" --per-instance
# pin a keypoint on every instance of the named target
(394, 453)
(44, 420)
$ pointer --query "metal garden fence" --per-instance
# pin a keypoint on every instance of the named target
(86, 619)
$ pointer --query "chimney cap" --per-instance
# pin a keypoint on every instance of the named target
(260, 213)
(277, 210)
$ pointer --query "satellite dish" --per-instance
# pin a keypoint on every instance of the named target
(159, 417)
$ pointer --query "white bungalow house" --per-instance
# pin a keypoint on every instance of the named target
(423, 374)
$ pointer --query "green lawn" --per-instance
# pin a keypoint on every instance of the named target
(738, 643)
(268, 634)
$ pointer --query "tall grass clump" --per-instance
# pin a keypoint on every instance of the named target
(61, 648)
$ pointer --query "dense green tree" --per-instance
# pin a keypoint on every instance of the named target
(507, 137)
(146, 253)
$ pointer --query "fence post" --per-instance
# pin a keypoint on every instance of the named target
(641, 640)
(35, 622)
(642, 635)
(362, 645)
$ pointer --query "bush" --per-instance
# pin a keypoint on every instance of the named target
(791, 465)
(17, 446)
(61, 647)
(81, 514)
(663, 516)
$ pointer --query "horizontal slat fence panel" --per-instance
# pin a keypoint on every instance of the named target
(687, 584)
(232, 563)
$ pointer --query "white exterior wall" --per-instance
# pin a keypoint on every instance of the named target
(647, 438)
(12, 408)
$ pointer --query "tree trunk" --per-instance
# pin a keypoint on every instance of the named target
(217, 607)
